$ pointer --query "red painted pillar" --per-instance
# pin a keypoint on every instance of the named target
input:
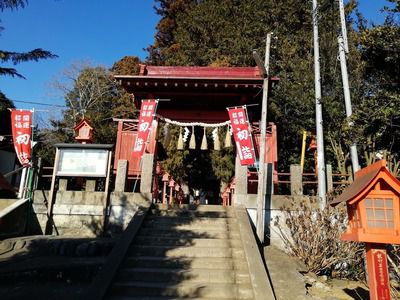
(164, 194)
(378, 275)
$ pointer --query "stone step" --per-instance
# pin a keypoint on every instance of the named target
(159, 298)
(187, 263)
(197, 208)
(187, 220)
(183, 275)
(179, 241)
(205, 226)
(193, 213)
(214, 233)
(187, 251)
(193, 290)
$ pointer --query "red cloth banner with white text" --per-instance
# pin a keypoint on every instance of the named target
(242, 135)
(21, 122)
(147, 110)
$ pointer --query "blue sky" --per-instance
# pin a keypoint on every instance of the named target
(77, 30)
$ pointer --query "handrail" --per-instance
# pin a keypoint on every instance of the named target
(12, 207)
(15, 171)
(103, 279)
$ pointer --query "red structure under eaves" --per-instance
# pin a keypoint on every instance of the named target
(195, 94)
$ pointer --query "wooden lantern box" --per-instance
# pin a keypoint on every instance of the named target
(373, 206)
(83, 132)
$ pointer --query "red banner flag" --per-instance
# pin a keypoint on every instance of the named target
(242, 135)
(147, 110)
(21, 122)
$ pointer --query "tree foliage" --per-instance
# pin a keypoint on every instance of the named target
(12, 4)
(90, 92)
(19, 57)
(199, 167)
(377, 117)
(128, 65)
(224, 33)
(5, 117)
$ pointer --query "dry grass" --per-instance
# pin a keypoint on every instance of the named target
(313, 236)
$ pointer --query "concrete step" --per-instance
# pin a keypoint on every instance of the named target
(183, 275)
(194, 233)
(225, 263)
(194, 290)
(187, 251)
(178, 241)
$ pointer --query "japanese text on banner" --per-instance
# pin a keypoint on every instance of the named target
(21, 122)
(242, 135)
(147, 110)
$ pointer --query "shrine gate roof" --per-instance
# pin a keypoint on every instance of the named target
(196, 89)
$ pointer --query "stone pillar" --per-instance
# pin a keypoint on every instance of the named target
(147, 174)
(329, 178)
(241, 183)
(90, 185)
(122, 172)
(62, 184)
(296, 180)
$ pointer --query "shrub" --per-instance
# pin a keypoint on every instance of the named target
(313, 236)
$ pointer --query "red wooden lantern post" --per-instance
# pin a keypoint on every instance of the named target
(171, 189)
(165, 179)
(373, 207)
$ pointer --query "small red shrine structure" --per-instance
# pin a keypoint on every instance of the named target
(193, 94)
(373, 207)
(83, 131)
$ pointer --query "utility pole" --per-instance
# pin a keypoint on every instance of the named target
(318, 113)
(343, 50)
(263, 127)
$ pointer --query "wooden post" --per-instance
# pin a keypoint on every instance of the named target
(106, 197)
(261, 174)
(378, 275)
(50, 200)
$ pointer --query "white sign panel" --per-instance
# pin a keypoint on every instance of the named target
(83, 162)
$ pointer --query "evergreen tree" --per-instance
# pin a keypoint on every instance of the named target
(5, 117)
(224, 33)
(378, 116)
(18, 57)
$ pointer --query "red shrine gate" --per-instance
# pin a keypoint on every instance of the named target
(195, 94)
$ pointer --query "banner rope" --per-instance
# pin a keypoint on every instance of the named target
(169, 121)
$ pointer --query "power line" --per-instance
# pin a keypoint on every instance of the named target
(39, 103)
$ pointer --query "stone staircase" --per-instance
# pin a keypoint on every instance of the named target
(185, 253)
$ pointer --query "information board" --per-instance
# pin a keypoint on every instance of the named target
(82, 162)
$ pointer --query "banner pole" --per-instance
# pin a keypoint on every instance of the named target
(30, 169)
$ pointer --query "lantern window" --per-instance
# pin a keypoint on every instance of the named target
(355, 218)
(84, 131)
(379, 212)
